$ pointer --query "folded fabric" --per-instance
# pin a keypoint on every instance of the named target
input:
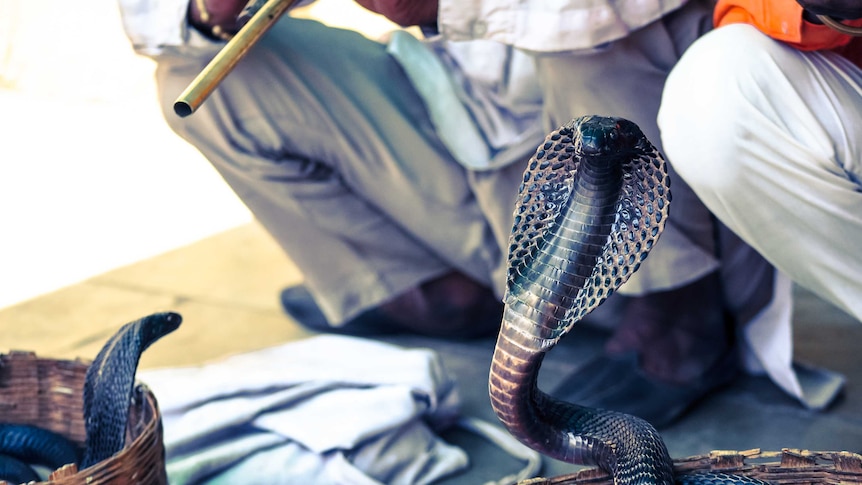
(481, 96)
(453, 122)
(326, 410)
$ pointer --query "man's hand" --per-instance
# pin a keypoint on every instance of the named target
(404, 12)
(837, 9)
(216, 18)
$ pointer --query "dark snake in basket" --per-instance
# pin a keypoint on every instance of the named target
(109, 392)
(593, 201)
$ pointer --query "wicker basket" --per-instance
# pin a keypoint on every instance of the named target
(49, 394)
(788, 466)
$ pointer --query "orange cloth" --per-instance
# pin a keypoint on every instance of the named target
(782, 20)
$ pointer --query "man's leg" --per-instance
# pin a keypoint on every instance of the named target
(319, 133)
(769, 138)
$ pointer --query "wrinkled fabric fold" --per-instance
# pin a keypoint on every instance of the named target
(325, 410)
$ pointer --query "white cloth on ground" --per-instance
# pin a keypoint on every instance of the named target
(325, 410)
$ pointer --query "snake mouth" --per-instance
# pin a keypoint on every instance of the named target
(604, 136)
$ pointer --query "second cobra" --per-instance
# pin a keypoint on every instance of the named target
(593, 202)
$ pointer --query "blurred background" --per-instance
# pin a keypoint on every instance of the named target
(91, 177)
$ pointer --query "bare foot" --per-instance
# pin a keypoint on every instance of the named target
(450, 306)
(678, 334)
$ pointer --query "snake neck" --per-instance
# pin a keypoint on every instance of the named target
(626, 447)
(531, 415)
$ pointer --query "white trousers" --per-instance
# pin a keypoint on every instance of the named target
(770, 139)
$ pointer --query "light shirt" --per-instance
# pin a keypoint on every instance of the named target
(549, 25)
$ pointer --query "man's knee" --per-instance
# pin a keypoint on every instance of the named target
(706, 98)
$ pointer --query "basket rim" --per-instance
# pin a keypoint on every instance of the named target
(787, 465)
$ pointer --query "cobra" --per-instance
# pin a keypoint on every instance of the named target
(109, 391)
(594, 200)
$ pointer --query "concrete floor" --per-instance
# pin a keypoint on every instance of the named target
(226, 287)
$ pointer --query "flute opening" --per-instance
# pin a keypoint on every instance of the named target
(200, 88)
(183, 109)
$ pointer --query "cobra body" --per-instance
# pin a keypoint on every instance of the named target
(107, 395)
(110, 381)
(13, 470)
(594, 200)
(36, 445)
